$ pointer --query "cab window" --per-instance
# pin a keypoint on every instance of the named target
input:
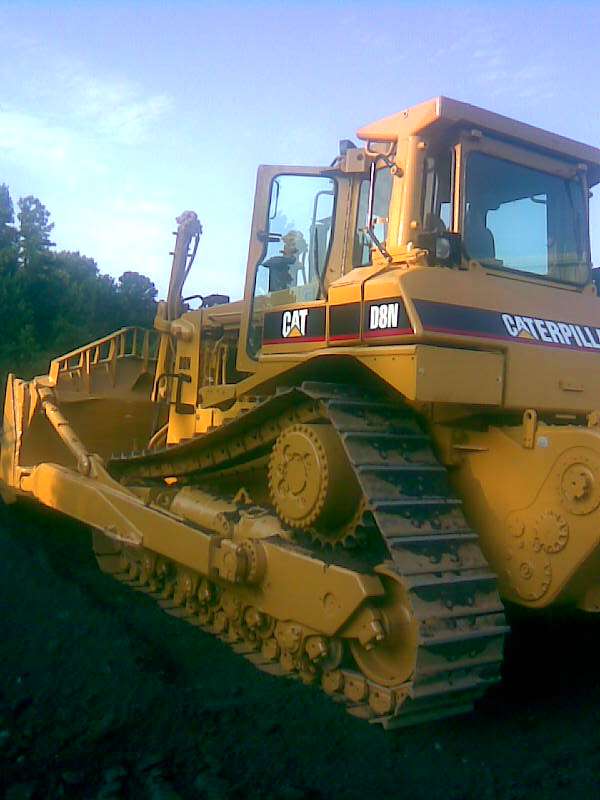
(436, 195)
(297, 243)
(363, 243)
(523, 219)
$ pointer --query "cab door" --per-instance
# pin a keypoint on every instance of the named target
(296, 249)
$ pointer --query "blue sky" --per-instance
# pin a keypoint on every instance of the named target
(118, 116)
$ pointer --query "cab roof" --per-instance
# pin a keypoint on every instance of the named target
(445, 112)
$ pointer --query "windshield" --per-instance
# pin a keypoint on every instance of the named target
(523, 219)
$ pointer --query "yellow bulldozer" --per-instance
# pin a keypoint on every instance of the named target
(344, 474)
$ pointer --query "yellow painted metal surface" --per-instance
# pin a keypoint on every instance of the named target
(538, 374)
(537, 509)
(446, 111)
(324, 597)
(436, 374)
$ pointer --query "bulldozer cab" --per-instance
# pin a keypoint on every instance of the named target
(449, 183)
(482, 188)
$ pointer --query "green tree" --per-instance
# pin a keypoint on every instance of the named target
(8, 233)
(53, 302)
(78, 318)
(18, 344)
(137, 296)
(34, 232)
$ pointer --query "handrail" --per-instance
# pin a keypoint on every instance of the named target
(124, 343)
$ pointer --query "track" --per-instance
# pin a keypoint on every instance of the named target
(409, 506)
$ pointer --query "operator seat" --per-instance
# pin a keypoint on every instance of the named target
(478, 239)
(434, 223)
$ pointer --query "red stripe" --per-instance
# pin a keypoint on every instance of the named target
(389, 332)
(519, 339)
(295, 339)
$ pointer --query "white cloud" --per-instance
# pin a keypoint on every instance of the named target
(25, 133)
(65, 129)
(65, 124)
(114, 110)
(64, 92)
(29, 139)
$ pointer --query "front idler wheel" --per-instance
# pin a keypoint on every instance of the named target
(311, 483)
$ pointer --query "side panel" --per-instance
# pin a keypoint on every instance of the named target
(493, 340)
(442, 375)
(550, 335)
(536, 509)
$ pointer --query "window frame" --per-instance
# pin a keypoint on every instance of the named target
(451, 151)
(366, 181)
(363, 181)
(475, 142)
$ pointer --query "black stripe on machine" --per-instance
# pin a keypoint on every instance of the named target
(464, 321)
(385, 318)
(294, 325)
(344, 321)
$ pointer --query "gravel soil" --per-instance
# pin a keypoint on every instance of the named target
(104, 696)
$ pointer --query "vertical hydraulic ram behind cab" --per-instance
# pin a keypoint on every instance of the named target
(343, 473)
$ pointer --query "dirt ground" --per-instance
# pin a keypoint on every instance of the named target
(104, 696)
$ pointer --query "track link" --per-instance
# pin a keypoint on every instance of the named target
(432, 551)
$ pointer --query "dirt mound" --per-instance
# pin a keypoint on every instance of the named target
(104, 696)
